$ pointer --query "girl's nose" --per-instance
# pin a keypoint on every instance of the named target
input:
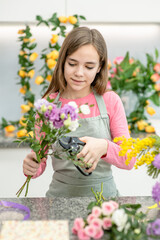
(79, 71)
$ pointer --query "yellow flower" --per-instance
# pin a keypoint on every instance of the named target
(63, 19)
(109, 64)
(21, 53)
(30, 134)
(150, 129)
(30, 104)
(49, 78)
(21, 133)
(51, 63)
(22, 73)
(9, 128)
(151, 111)
(141, 124)
(25, 40)
(25, 108)
(147, 102)
(54, 54)
(72, 20)
(21, 121)
(32, 40)
(21, 31)
(31, 73)
(33, 57)
(157, 87)
(155, 77)
(22, 90)
(39, 80)
(54, 38)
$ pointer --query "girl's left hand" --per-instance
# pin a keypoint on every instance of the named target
(94, 149)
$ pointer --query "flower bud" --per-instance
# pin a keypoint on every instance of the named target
(43, 108)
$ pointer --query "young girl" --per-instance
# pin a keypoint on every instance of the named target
(80, 75)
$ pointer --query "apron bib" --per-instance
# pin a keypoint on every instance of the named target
(67, 181)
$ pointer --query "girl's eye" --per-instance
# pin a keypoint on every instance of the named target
(71, 64)
(89, 67)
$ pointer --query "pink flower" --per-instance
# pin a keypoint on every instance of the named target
(114, 70)
(107, 208)
(97, 223)
(157, 87)
(90, 230)
(74, 231)
(96, 211)
(78, 224)
(155, 77)
(82, 235)
(157, 67)
(90, 218)
(115, 204)
(107, 223)
(118, 60)
(109, 85)
(99, 234)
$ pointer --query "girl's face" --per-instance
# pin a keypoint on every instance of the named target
(80, 69)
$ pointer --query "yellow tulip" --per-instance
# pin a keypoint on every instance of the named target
(151, 111)
(22, 90)
(31, 73)
(54, 54)
(150, 129)
(49, 78)
(25, 108)
(30, 104)
(33, 57)
(9, 128)
(39, 80)
(72, 20)
(22, 73)
(63, 19)
(54, 38)
(51, 63)
(21, 133)
(21, 31)
(21, 121)
(141, 124)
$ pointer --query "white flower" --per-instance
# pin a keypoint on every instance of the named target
(119, 217)
(84, 109)
(73, 104)
(74, 125)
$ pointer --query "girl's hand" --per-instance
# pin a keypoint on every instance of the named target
(30, 166)
(92, 151)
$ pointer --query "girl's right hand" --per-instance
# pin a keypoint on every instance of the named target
(30, 166)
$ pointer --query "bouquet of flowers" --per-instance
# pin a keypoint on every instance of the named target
(114, 221)
(46, 125)
(146, 150)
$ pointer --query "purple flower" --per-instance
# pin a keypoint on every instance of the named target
(55, 117)
(69, 110)
(154, 228)
(156, 192)
(38, 104)
(156, 161)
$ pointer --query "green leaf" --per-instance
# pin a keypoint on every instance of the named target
(155, 99)
(91, 205)
(39, 18)
(82, 17)
(125, 62)
(156, 53)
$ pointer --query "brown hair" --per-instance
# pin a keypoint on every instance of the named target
(77, 38)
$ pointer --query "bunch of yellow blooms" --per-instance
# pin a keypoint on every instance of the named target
(146, 150)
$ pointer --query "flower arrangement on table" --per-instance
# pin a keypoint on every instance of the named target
(114, 221)
(47, 124)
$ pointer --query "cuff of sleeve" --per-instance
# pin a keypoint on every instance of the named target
(105, 155)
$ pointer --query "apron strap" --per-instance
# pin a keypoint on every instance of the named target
(57, 102)
(101, 105)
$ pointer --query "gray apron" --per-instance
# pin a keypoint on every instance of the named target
(67, 181)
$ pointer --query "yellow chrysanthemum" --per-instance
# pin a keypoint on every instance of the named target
(21, 121)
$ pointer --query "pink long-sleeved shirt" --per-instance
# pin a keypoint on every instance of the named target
(118, 126)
